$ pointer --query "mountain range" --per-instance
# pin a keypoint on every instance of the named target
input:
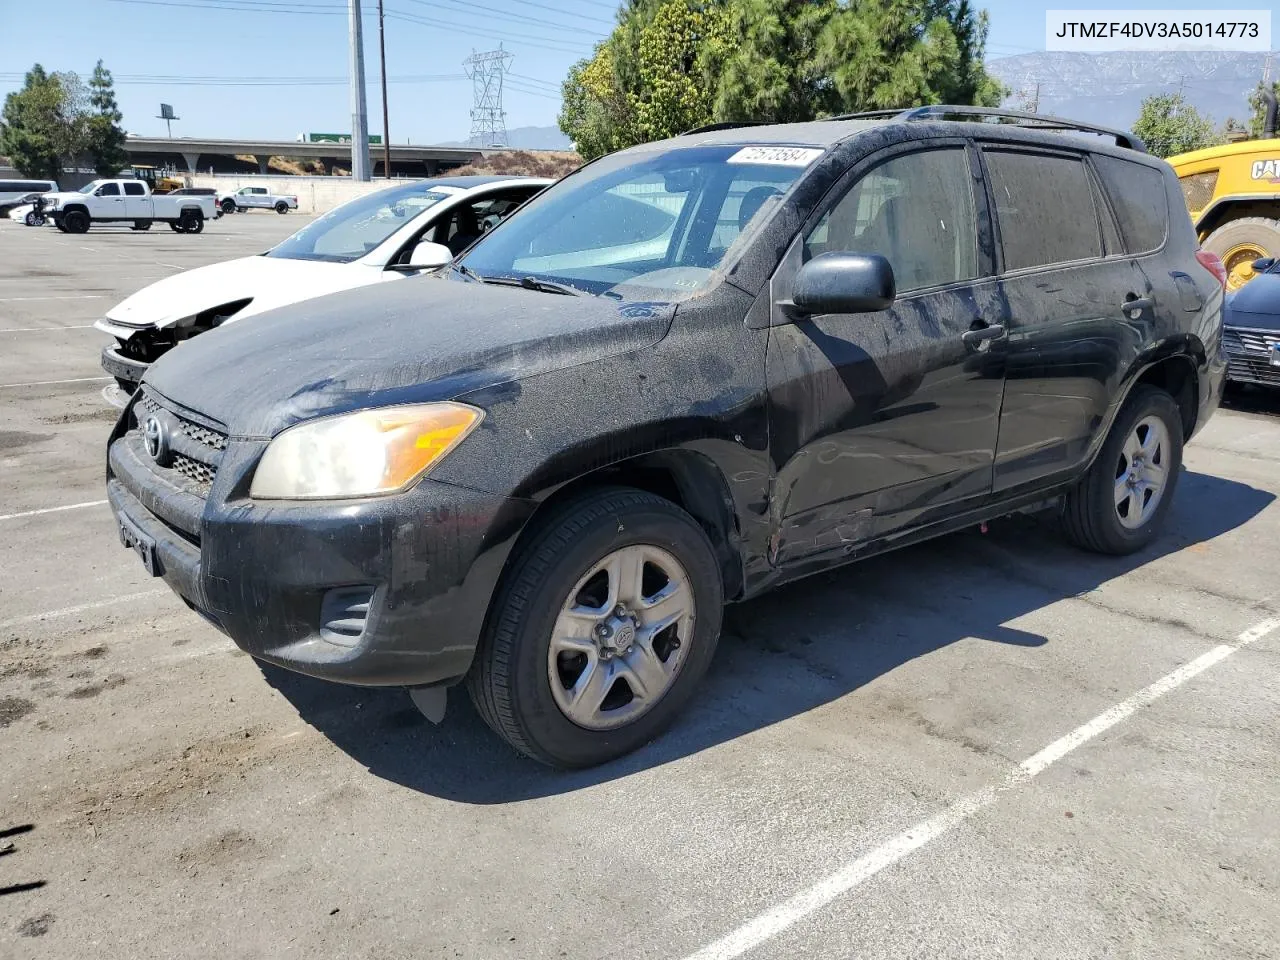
(1108, 88)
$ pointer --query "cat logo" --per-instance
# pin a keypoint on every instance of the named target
(1266, 170)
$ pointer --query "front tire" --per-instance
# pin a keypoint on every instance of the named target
(1121, 503)
(76, 222)
(228, 206)
(30, 220)
(601, 631)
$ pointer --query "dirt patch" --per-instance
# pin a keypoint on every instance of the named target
(522, 163)
(36, 926)
(14, 708)
(105, 415)
(94, 653)
(16, 439)
(163, 783)
(219, 851)
(93, 689)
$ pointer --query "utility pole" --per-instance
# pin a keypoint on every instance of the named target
(386, 125)
(1035, 104)
(359, 118)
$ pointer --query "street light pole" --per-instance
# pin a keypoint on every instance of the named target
(359, 117)
(386, 126)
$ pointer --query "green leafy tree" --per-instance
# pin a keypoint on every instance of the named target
(1169, 125)
(673, 64)
(30, 132)
(768, 70)
(104, 136)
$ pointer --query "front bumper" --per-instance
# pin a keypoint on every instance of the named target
(408, 578)
(1249, 354)
(123, 368)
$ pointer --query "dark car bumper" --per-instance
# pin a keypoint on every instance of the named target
(1249, 356)
(123, 368)
(381, 592)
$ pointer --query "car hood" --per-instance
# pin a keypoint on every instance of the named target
(416, 341)
(267, 282)
(1256, 305)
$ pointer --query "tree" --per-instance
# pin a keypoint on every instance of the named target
(673, 64)
(29, 133)
(104, 136)
(1169, 125)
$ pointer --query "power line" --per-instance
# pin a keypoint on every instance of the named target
(494, 13)
(572, 48)
(534, 81)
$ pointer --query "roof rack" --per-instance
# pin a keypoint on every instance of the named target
(724, 125)
(1039, 121)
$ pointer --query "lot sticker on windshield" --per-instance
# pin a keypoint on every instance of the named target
(777, 156)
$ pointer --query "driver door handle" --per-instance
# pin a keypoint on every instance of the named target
(982, 334)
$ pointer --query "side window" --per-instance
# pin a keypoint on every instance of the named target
(917, 211)
(134, 190)
(1140, 200)
(109, 190)
(1045, 208)
(1110, 238)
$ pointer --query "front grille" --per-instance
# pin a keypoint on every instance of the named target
(201, 434)
(198, 473)
(1250, 369)
(1252, 340)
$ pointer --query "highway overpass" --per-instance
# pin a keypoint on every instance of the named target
(197, 154)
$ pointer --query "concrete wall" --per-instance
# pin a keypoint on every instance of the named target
(315, 194)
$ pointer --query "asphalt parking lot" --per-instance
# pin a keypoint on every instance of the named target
(988, 746)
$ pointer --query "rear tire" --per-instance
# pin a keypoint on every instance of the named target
(175, 228)
(76, 222)
(191, 221)
(282, 207)
(1116, 508)
(552, 578)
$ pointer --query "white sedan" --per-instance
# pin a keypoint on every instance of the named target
(382, 236)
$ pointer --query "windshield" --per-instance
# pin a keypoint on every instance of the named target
(90, 187)
(651, 226)
(350, 231)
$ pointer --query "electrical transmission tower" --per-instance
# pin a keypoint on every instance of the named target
(488, 119)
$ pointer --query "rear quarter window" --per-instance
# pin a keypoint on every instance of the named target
(1140, 201)
(1045, 208)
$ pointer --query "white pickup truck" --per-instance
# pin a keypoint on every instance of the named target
(126, 201)
(247, 198)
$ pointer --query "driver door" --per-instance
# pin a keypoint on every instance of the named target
(883, 421)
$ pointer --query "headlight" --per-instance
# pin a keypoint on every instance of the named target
(379, 451)
(51, 203)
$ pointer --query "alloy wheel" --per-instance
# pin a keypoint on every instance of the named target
(1141, 474)
(621, 637)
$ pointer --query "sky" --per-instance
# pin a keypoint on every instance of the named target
(275, 68)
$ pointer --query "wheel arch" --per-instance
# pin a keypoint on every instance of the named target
(1237, 207)
(1175, 369)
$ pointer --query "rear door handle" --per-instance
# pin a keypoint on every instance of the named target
(1136, 305)
(982, 334)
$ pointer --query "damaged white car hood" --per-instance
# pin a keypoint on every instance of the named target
(267, 282)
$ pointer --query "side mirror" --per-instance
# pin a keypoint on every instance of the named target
(1263, 264)
(427, 255)
(843, 283)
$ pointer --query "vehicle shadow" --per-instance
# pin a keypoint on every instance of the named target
(1252, 399)
(781, 655)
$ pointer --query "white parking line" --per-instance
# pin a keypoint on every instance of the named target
(773, 922)
(36, 513)
(78, 296)
(48, 383)
(80, 326)
(78, 608)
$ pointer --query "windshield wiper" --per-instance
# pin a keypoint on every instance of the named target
(536, 283)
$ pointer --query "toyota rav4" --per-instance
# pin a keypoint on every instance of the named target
(687, 373)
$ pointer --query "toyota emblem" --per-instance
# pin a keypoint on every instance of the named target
(155, 440)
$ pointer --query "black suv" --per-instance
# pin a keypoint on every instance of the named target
(688, 372)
